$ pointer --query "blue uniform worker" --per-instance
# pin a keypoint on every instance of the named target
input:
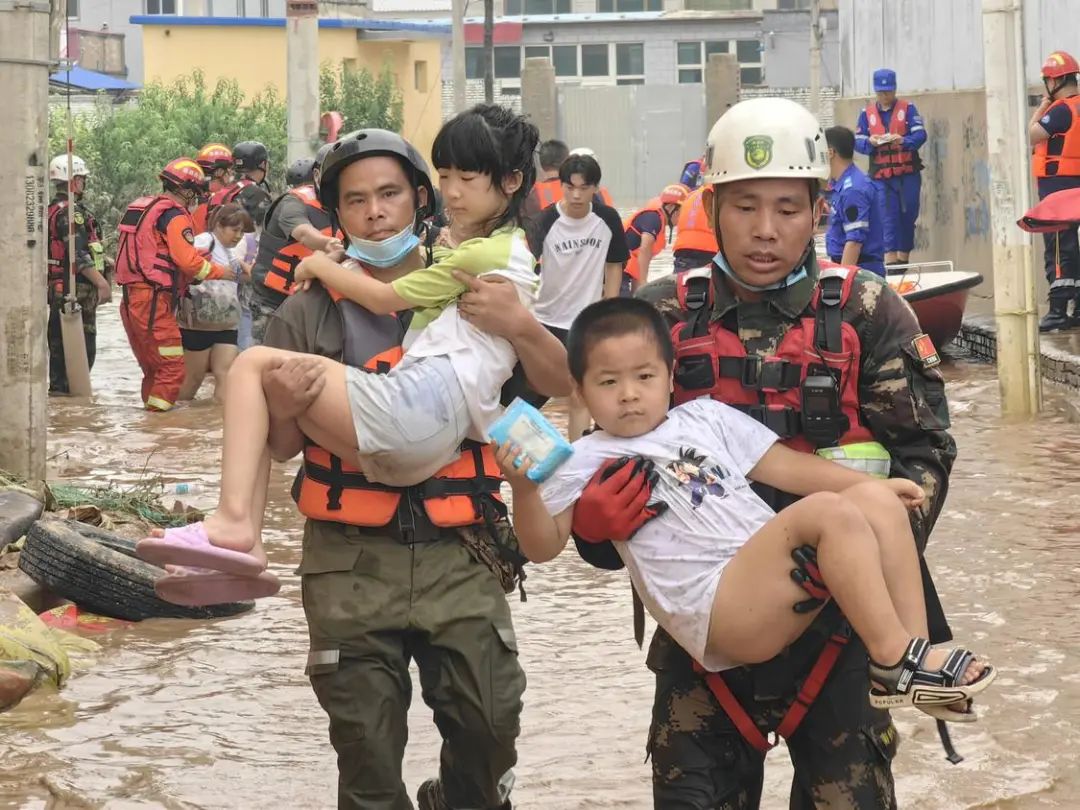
(855, 225)
(891, 131)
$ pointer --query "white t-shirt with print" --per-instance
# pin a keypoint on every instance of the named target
(703, 452)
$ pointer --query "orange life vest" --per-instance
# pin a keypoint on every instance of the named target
(463, 493)
(58, 242)
(891, 160)
(633, 269)
(142, 255)
(711, 360)
(693, 230)
(278, 256)
(1065, 162)
(549, 192)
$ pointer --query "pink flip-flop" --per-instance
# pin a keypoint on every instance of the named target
(194, 587)
(190, 547)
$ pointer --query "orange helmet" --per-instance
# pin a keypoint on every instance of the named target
(184, 173)
(215, 156)
(1059, 64)
(675, 194)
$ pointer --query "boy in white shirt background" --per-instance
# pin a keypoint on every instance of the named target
(582, 248)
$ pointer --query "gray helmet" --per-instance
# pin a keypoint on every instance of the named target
(371, 143)
(301, 171)
(249, 155)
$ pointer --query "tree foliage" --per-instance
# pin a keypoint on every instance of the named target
(364, 99)
(126, 146)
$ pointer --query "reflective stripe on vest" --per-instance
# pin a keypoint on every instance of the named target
(464, 492)
(694, 231)
(711, 360)
(891, 160)
(278, 256)
(1066, 163)
(142, 254)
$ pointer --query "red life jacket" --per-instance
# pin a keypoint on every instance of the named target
(142, 255)
(710, 359)
(463, 493)
(891, 160)
(279, 255)
(822, 347)
(694, 230)
(58, 242)
(226, 194)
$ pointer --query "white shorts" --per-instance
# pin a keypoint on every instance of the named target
(410, 422)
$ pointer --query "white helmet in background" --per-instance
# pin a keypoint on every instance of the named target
(766, 138)
(584, 151)
(58, 168)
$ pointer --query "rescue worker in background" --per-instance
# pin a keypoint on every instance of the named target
(766, 298)
(1054, 131)
(436, 601)
(548, 188)
(300, 173)
(891, 131)
(251, 164)
(695, 243)
(855, 234)
(91, 285)
(216, 161)
(296, 225)
(155, 260)
(647, 232)
(692, 176)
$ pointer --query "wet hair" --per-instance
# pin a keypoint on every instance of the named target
(493, 141)
(842, 140)
(584, 165)
(615, 317)
(231, 215)
(552, 155)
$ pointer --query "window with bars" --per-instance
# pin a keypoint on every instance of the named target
(691, 58)
(570, 61)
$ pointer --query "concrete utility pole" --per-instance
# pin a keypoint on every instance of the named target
(1010, 197)
(457, 54)
(29, 47)
(302, 77)
(489, 51)
(815, 57)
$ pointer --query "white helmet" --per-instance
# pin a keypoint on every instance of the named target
(58, 168)
(766, 138)
(584, 151)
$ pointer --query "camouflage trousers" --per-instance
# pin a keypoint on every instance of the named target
(87, 297)
(373, 604)
(842, 751)
(261, 311)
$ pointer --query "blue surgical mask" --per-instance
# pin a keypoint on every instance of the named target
(386, 253)
(792, 278)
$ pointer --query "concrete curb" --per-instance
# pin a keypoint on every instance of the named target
(1060, 352)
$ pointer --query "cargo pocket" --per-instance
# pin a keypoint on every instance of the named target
(927, 387)
(326, 588)
(507, 679)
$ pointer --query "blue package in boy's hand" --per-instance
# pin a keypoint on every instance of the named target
(524, 426)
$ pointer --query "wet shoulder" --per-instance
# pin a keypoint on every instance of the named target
(876, 309)
(663, 294)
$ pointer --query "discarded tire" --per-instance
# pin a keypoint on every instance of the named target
(99, 572)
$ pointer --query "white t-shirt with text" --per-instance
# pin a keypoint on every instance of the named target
(703, 452)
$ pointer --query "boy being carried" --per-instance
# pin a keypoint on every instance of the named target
(714, 568)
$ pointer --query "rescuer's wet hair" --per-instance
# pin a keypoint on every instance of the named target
(615, 317)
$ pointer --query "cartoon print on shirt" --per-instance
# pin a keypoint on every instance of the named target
(690, 470)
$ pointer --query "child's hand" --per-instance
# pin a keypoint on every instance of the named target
(505, 456)
(909, 493)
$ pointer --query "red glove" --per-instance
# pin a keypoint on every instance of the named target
(615, 502)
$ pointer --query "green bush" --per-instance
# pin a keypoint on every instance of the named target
(126, 146)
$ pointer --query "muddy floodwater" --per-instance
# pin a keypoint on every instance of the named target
(179, 714)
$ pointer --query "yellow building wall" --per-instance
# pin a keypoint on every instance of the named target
(255, 58)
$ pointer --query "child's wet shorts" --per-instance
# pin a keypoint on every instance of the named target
(412, 421)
